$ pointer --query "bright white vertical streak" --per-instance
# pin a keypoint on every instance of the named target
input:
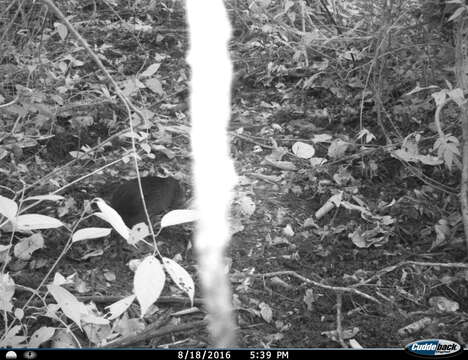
(213, 170)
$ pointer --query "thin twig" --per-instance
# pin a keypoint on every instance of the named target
(318, 284)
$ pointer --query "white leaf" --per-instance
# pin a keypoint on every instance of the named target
(354, 344)
(24, 249)
(8, 208)
(288, 230)
(19, 314)
(11, 339)
(7, 289)
(110, 276)
(29, 222)
(368, 136)
(50, 197)
(61, 30)
(429, 160)
(89, 315)
(247, 205)
(155, 86)
(139, 232)
(457, 13)
(303, 150)
(180, 277)
(131, 85)
(148, 282)
(63, 339)
(176, 217)
(442, 304)
(69, 304)
(358, 240)
(133, 264)
(41, 335)
(128, 327)
(317, 161)
(151, 70)
(112, 217)
(266, 312)
(403, 155)
(90, 233)
(59, 279)
(337, 148)
(440, 97)
(97, 333)
(321, 138)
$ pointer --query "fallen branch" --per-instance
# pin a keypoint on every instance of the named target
(318, 284)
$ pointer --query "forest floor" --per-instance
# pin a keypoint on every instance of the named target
(296, 279)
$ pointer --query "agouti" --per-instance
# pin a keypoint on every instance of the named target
(161, 196)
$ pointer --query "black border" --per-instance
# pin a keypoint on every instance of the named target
(207, 354)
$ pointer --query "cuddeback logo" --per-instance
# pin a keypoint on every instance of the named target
(433, 348)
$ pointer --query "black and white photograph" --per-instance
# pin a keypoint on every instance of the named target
(255, 179)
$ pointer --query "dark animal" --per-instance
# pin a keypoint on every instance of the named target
(161, 196)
